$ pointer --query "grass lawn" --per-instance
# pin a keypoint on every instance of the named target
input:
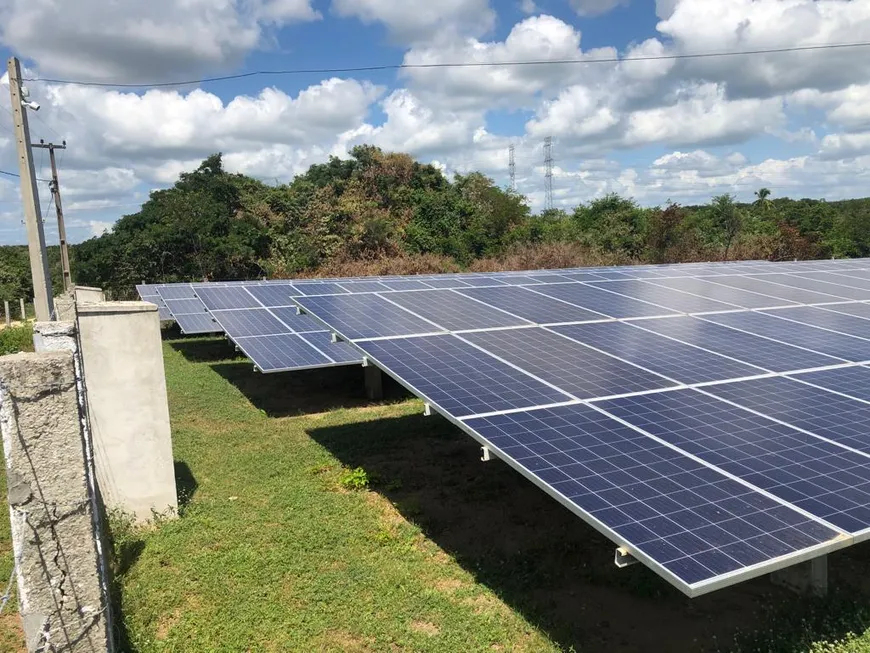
(275, 550)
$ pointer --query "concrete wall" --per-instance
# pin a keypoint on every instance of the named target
(60, 594)
(89, 294)
(122, 359)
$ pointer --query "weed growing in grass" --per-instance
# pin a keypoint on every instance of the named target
(354, 479)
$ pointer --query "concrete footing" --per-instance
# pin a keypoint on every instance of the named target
(374, 380)
(810, 577)
(61, 593)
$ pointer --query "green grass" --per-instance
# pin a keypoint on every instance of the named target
(314, 521)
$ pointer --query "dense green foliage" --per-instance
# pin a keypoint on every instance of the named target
(16, 339)
(378, 206)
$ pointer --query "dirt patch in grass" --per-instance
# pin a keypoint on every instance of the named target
(425, 628)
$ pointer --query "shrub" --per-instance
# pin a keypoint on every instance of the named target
(354, 479)
(16, 339)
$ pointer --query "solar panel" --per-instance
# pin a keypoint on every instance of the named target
(193, 323)
(804, 471)
(818, 317)
(839, 419)
(727, 294)
(840, 278)
(852, 381)
(274, 294)
(454, 312)
(579, 370)
(406, 284)
(858, 310)
(531, 305)
(801, 335)
(299, 323)
(679, 301)
(838, 290)
(278, 353)
(602, 302)
(320, 288)
(226, 297)
(340, 352)
(176, 291)
(251, 322)
(365, 316)
(747, 348)
(757, 284)
(691, 523)
(185, 305)
(457, 377)
(363, 286)
(675, 360)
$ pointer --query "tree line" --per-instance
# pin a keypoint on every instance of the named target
(382, 212)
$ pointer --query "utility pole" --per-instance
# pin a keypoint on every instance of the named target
(43, 301)
(61, 229)
(512, 167)
(548, 175)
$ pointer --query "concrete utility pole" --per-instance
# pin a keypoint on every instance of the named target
(61, 229)
(512, 167)
(43, 302)
(548, 174)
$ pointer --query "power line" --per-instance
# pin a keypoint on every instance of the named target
(465, 64)
(15, 174)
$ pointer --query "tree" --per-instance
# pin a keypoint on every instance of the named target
(762, 201)
(727, 219)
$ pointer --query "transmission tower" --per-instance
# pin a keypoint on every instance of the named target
(512, 167)
(548, 167)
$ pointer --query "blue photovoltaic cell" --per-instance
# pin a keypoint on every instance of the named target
(180, 306)
(676, 360)
(757, 284)
(664, 297)
(299, 323)
(281, 352)
(406, 284)
(859, 274)
(448, 282)
(197, 323)
(531, 305)
(163, 312)
(365, 316)
(852, 381)
(459, 378)
(176, 291)
(694, 521)
(340, 352)
(273, 294)
(736, 296)
(363, 286)
(582, 371)
(146, 289)
(320, 288)
(549, 278)
(613, 274)
(804, 471)
(837, 418)
(795, 333)
(858, 310)
(249, 322)
(602, 302)
(226, 297)
(754, 350)
(453, 311)
(818, 317)
(845, 292)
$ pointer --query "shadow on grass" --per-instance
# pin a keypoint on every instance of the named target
(559, 573)
(286, 394)
(198, 349)
(185, 485)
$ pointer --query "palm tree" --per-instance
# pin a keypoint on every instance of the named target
(762, 194)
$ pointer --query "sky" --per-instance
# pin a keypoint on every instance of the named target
(656, 130)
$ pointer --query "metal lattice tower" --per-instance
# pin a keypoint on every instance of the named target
(512, 167)
(548, 166)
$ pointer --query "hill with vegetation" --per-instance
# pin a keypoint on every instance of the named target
(380, 213)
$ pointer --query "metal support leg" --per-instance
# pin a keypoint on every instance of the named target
(624, 558)
(808, 578)
(486, 456)
(374, 380)
(427, 410)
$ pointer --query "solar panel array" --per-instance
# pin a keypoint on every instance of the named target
(711, 419)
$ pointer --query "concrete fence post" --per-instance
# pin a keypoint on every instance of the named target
(61, 585)
(8, 315)
(23, 310)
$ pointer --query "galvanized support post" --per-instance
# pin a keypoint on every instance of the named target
(374, 380)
